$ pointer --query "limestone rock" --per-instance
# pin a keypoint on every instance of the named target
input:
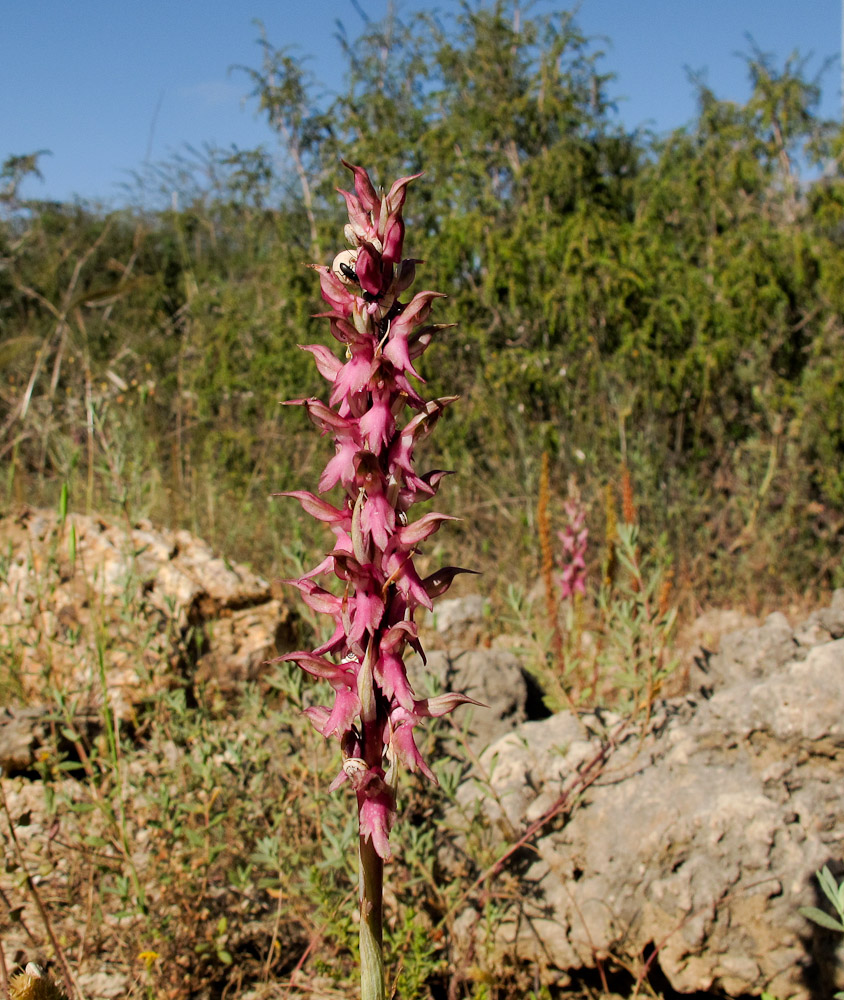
(459, 621)
(241, 643)
(700, 838)
(19, 733)
(746, 653)
(697, 640)
(152, 603)
(493, 677)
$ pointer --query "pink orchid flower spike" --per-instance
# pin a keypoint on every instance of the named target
(372, 608)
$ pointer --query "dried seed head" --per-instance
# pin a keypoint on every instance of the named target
(34, 984)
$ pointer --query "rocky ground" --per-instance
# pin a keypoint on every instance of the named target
(696, 840)
(678, 846)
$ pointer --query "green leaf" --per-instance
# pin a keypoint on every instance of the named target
(833, 892)
(70, 765)
(827, 883)
(819, 917)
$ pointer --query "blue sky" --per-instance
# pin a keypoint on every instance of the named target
(108, 84)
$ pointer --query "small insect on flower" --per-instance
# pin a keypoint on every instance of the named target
(343, 266)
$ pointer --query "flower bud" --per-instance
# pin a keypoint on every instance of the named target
(406, 275)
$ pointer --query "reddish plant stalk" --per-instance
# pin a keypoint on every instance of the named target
(543, 523)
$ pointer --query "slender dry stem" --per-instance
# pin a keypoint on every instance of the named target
(544, 527)
(67, 975)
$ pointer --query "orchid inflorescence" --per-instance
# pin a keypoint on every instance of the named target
(375, 708)
(574, 538)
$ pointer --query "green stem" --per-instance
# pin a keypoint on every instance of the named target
(371, 914)
(371, 877)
